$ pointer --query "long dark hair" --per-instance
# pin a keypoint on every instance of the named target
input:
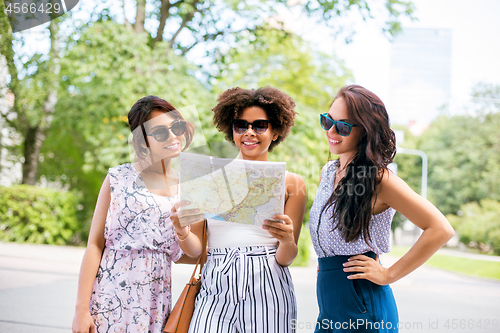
(354, 197)
(140, 113)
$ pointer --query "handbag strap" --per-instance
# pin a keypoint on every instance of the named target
(203, 255)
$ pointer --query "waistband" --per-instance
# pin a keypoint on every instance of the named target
(251, 251)
(335, 262)
(234, 264)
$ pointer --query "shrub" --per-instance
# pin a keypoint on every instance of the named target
(36, 215)
(302, 258)
(479, 225)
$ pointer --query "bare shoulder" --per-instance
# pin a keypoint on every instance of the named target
(294, 182)
(393, 189)
(293, 177)
(390, 181)
(295, 186)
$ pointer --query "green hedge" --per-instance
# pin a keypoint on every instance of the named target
(479, 225)
(36, 215)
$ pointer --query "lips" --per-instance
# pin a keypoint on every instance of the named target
(173, 146)
(250, 144)
(333, 142)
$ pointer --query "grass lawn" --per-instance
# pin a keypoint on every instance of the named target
(473, 267)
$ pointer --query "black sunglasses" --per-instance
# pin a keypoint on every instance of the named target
(162, 133)
(259, 126)
(342, 128)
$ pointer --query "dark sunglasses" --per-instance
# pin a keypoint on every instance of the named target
(162, 133)
(342, 128)
(240, 126)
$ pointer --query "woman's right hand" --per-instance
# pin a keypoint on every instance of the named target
(184, 217)
(82, 322)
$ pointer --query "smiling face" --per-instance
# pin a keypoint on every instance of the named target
(344, 146)
(169, 148)
(254, 146)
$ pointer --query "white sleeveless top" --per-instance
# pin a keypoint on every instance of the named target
(223, 234)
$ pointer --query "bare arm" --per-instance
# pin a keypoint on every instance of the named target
(197, 231)
(82, 321)
(287, 233)
(436, 232)
(189, 242)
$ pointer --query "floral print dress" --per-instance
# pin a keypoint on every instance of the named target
(131, 291)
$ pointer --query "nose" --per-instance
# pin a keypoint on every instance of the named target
(250, 128)
(332, 130)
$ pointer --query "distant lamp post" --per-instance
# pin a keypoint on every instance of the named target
(424, 165)
(400, 137)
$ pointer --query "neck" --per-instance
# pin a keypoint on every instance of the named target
(262, 157)
(158, 168)
(344, 160)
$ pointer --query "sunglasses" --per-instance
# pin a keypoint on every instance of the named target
(162, 133)
(342, 128)
(240, 126)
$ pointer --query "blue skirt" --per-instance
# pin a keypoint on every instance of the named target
(352, 305)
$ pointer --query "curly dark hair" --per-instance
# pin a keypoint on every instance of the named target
(278, 106)
(376, 150)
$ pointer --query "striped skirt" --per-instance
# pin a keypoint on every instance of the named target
(244, 290)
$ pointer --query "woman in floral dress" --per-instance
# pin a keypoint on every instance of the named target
(124, 283)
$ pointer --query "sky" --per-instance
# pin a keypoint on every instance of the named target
(475, 47)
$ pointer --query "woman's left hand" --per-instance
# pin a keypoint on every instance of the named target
(282, 231)
(367, 268)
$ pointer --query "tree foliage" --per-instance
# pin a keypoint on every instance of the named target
(464, 160)
(478, 225)
(185, 24)
(159, 27)
(104, 73)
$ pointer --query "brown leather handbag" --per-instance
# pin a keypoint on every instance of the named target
(180, 317)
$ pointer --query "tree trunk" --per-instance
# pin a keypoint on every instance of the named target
(164, 14)
(32, 146)
(140, 16)
(35, 135)
(127, 23)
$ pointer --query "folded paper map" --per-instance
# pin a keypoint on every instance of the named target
(232, 190)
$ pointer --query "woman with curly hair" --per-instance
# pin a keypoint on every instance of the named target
(350, 220)
(246, 284)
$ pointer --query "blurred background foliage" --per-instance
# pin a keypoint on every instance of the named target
(67, 124)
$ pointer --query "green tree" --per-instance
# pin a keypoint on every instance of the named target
(35, 87)
(186, 24)
(181, 25)
(464, 158)
(105, 72)
(478, 225)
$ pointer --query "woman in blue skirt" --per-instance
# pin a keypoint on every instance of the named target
(350, 220)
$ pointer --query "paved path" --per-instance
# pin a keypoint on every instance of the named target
(38, 290)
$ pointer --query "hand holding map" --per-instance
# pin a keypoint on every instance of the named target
(233, 190)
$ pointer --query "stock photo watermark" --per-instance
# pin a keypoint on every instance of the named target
(27, 14)
(448, 324)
